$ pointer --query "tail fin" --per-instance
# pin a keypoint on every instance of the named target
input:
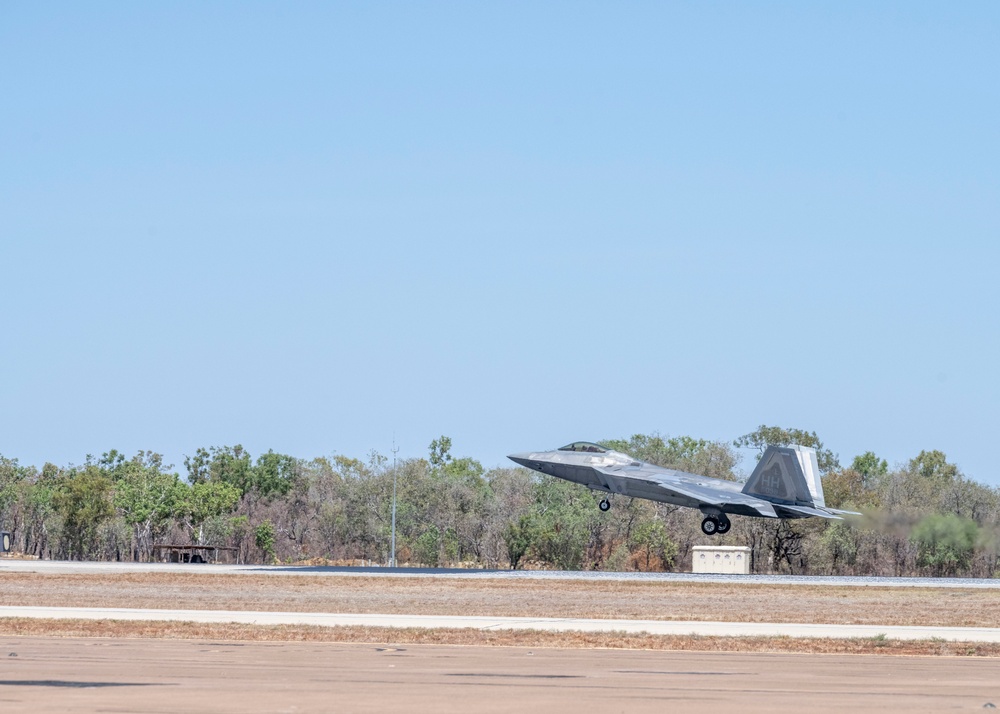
(787, 475)
(810, 469)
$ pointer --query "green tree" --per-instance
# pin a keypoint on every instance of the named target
(946, 542)
(264, 538)
(651, 538)
(933, 466)
(440, 451)
(84, 502)
(705, 458)
(765, 436)
(147, 497)
(228, 464)
(13, 477)
(273, 474)
(565, 516)
(10, 475)
(446, 496)
(42, 524)
(870, 466)
(204, 500)
(848, 489)
(839, 544)
(518, 537)
(427, 547)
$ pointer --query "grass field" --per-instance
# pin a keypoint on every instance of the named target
(25, 627)
(503, 597)
(515, 598)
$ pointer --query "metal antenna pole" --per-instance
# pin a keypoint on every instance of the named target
(392, 554)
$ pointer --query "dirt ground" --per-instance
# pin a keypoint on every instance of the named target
(518, 598)
(502, 597)
(233, 632)
(94, 675)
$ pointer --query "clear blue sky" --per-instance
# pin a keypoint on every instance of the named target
(313, 226)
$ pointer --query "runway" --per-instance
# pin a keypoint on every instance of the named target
(545, 624)
(89, 675)
(77, 567)
(42, 674)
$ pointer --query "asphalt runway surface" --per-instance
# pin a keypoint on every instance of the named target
(39, 674)
(91, 675)
(75, 567)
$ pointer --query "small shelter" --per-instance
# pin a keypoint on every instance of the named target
(721, 559)
(169, 553)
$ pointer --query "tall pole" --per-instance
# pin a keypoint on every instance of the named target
(392, 554)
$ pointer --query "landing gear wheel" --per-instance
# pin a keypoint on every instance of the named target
(710, 526)
(604, 505)
(724, 525)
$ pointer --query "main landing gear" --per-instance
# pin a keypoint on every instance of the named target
(604, 505)
(715, 525)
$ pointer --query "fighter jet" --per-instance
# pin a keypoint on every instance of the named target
(785, 483)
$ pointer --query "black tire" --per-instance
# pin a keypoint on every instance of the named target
(710, 526)
(724, 526)
(605, 505)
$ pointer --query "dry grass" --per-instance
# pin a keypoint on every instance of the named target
(502, 597)
(728, 602)
(25, 627)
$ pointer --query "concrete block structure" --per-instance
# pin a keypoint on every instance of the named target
(722, 559)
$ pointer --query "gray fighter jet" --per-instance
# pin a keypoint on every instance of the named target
(785, 483)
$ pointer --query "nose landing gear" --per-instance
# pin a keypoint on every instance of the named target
(604, 505)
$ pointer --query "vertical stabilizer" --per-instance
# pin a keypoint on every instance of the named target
(810, 469)
(780, 477)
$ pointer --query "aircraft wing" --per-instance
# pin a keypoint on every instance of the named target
(726, 500)
(681, 486)
(677, 486)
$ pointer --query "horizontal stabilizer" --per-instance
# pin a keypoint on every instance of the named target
(805, 511)
(844, 513)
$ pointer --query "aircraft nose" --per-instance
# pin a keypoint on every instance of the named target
(521, 459)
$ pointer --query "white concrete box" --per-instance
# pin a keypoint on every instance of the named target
(720, 559)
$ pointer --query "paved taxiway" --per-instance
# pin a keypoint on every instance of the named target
(546, 624)
(110, 568)
(89, 675)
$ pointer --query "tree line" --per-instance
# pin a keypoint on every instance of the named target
(923, 517)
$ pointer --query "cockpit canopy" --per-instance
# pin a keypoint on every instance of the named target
(584, 446)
